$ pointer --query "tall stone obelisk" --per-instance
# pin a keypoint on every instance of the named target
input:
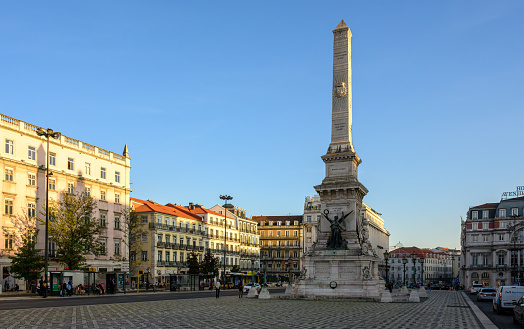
(340, 191)
(342, 262)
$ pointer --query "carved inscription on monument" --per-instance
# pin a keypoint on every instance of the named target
(338, 169)
(322, 270)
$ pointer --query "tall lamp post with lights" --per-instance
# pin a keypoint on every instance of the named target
(226, 206)
(421, 260)
(253, 269)
(386, 258)
(414, 260)
(56, 135)
(404, 261)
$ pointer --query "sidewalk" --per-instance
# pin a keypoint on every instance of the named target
(24, 294)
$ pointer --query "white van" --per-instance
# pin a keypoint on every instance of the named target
(506, 298)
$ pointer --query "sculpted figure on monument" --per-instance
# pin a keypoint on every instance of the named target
(335, 240)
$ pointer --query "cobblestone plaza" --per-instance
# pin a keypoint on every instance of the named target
(443, 309)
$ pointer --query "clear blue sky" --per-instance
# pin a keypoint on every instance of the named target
(234, 97)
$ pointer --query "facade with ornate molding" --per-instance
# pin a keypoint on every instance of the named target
(75, 167)
(492, 242)
(170, 233)
(281, 245)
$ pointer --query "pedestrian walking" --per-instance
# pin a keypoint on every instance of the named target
(217, 289)
(70, 288)
(63, 290)
(240, 289)
(41, 286)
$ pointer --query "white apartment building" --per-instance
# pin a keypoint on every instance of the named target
(76, 167)
(492, 241)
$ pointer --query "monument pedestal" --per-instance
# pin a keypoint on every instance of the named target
(339, 274)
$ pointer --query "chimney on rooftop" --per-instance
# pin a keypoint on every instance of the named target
(191, 206)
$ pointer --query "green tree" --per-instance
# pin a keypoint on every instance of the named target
(210, 264)
(26, 263)
(193, 264)
(235, 269)
(74, 229)
(132, 228)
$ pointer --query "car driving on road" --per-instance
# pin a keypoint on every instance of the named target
(486, 294)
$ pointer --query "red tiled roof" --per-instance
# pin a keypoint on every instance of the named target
(148, 206)
(487, 205)
(204, 210)
(405, 252)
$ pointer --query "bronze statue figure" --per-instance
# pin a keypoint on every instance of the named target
(335, 240)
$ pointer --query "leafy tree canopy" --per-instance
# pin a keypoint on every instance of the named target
(74, 229)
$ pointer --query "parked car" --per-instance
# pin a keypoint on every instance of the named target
(506, 298)
(475, 288)
(437, 286)
(518, 312)
(486, 294)
(248, 286)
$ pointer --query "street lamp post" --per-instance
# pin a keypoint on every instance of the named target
(253, 269)
(265, 269)
(414, 260)
(421, 260)
(386, 258)
(226, 206)
(404, 261)
(289, 269)
(514, 253)
(47, 133)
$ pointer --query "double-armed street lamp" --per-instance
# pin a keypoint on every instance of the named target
(253, 269)
(56, 135)
(414, 260)
(289, 268)
(226, 205)
(421, 260)
(404, 261)
(386, 258)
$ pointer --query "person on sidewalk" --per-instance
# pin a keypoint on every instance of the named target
(70, 288)
(217, 289)
(64, 288)
(240, 289)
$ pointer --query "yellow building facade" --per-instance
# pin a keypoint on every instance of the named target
(169, 234)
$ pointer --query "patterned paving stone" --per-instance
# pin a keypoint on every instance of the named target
(444, 309)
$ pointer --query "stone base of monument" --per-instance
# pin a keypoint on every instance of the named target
(339, 274)
(386, 297)
(422, 292)
(264, 294)
(404, 290)
(413, 296)
(289, 289)
(252, 293)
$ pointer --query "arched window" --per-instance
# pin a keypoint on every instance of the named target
(485, 275)
(474, 275)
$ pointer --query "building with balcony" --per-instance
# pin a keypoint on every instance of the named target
(429, 266)
(170, 233)
(311, 220)
(222, 233)
(249, 249)
(75, 167)
(492, 242)
(280, 244)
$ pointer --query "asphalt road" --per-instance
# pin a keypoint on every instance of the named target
(502, 321)
(12, 303)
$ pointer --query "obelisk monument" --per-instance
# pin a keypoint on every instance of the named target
(342, 262)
